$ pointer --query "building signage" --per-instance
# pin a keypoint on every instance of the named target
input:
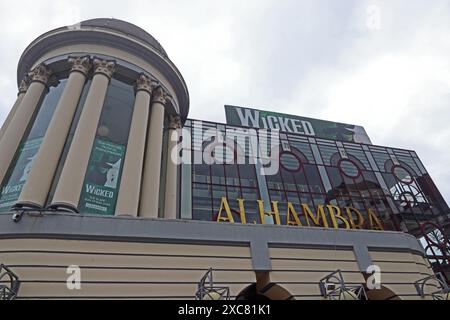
(328, 216)
(253, 118)
(101, 184)
(11, 190)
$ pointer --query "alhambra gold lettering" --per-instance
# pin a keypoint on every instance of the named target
(349, 218)
(335, 213)
(242, 210)
(374, 222)
(275, 213)
(225, 206)
(350, 211)
(315, 218)
(291, 211)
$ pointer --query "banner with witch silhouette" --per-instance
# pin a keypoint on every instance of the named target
(259, 119)
(102, 180)
(12, 187)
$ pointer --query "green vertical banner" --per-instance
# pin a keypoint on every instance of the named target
(10, 191)
(102, 181)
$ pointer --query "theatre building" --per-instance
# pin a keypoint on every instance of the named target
(109, 190)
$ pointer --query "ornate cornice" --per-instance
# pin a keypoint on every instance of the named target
(174, 122)
(144, 83)
(80, 64)
(104, 67)
(24, 84)
(63, 39)
(159, 95)
(40, 74)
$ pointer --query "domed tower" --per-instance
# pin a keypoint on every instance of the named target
(98, 107)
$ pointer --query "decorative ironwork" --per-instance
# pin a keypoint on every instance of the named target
(333, 287)
(437, 248)
(437, 281)
(207, 290)
(9, 283)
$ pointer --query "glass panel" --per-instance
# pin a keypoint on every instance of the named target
(232, 176)
(318, 199)
(68, 142)
(274, 181)
(218, 192)
(201, 202)
(304, 148)
(117, 112)
(316, 153)
(306, 199)
(290, 162)
(29, 147)
(349, 168)
(234, 193)
(380, 159)
(251, 205)
(314, 181)
(335, 177)
(360, 156)
(45, 114)
(102, 180)
(201, 173)
(402, 175)
(288, 180)
(372, 184)
(186, 192)
(324, 176)
(218, 174)
(302, 184)
(327, 153)
(248, 175)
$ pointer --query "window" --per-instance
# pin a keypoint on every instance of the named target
(402, 174)
(68, 142)
(29, 147)
(102, 180)
(343, 176)
(349, 168)
(290, 162)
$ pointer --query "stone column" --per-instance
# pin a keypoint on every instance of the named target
(37, 186)
(170, 197)
(149, 198)
(24, 84)
(130, 184)
(13, 134)
(67, 193)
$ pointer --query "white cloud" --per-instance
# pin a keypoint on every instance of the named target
(399, 93)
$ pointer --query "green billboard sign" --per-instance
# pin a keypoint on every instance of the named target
(10, 191)
(102, 181)
(259, 119)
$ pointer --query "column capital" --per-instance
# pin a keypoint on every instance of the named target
(144, 83)
(159, 95)
(24, 84)
(104, 67)
(40, 73)
(80, 64)
(174, 122)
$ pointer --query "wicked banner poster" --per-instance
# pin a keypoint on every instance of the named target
(10, 191)
(101, 184)
(259, 119)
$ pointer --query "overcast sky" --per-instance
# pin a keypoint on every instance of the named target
(384, 65)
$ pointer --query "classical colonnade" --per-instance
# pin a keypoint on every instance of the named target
(141, 174)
